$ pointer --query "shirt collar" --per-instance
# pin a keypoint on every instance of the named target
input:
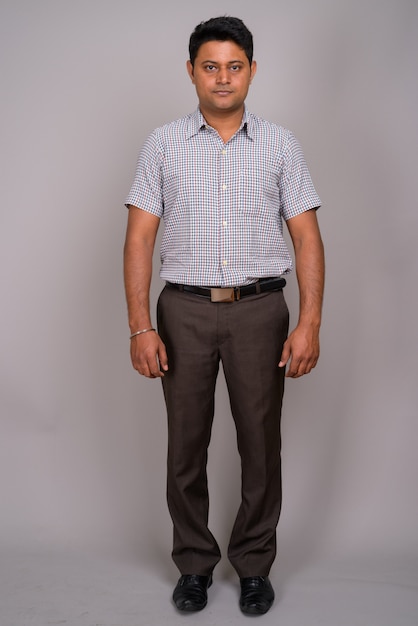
(197, 122)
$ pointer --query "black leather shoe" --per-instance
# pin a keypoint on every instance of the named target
(257, 595)
(191, 592)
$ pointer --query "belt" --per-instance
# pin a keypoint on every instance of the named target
(230, 294)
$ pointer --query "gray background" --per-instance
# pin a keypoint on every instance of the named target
(83, 441)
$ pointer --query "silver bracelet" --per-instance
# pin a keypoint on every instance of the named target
(140, 332)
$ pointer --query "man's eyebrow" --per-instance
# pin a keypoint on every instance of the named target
(217, 62)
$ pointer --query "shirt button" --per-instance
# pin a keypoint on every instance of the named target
(223, 151)
(224, 262)
(224, 223)
(224, 187)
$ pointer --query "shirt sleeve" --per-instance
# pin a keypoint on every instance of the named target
(146, 191)
(297, 191)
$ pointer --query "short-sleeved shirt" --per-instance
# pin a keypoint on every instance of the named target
(223, 204)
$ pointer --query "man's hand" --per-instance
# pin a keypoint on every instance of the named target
(149, 356)
(302, 348)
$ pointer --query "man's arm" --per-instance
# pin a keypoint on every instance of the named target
(148, 352)
(302, 345)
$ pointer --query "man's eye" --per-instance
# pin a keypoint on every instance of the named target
(235, 68)
(210, 68)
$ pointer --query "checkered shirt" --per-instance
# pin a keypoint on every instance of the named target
(222, 204)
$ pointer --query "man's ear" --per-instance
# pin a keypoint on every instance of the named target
(253, 69)
(190, 70)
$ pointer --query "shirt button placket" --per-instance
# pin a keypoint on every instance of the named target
(225, 247)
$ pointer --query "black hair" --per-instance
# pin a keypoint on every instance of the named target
(223, 28)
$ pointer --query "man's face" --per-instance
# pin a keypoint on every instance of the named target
(222, 75)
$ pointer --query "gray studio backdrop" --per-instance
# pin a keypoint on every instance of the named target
(83, 441)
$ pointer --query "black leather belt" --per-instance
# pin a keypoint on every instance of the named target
(230, 294)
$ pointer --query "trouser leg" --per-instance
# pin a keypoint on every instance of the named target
(187, 325)
(255, 330)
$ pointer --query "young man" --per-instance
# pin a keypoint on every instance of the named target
(223, 180)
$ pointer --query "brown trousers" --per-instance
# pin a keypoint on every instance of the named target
(247, 336)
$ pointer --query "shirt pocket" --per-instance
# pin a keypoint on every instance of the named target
(258, 189)
(258, 211)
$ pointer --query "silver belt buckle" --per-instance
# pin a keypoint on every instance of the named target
(222, 294)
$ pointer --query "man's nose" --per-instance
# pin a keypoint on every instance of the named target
(223, 75)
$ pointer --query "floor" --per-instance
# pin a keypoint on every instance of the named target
(44, 588)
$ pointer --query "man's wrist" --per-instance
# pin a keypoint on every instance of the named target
(312, 324)
(141, 332)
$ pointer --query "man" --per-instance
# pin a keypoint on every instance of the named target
(223, 179)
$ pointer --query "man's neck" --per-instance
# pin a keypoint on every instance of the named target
(225, 122)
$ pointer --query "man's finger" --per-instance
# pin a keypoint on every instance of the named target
(285, 355)
(162, 358)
